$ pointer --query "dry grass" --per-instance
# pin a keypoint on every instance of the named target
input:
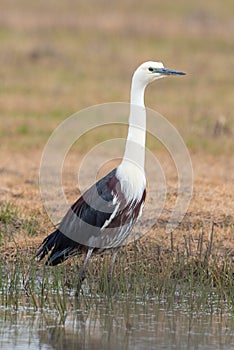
(212, 200)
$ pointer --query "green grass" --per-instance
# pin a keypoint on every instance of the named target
(196, 272)
(13, 223)
(196, 276)
(7, 213)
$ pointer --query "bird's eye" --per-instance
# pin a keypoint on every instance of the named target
(150, 69)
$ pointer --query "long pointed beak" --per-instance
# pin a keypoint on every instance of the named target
(168, 71)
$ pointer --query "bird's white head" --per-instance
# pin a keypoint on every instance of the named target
(147, 72)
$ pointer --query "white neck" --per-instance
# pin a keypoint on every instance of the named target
(131, 170)
(135, 144)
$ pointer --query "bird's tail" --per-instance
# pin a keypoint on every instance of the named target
(59, 247)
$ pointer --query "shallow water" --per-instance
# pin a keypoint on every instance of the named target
(116, 325)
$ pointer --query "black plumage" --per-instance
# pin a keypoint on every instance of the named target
(102, 210)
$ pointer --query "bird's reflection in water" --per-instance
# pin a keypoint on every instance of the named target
(59, 338)
(86, 331)
(117, 324)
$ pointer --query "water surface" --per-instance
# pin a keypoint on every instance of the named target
(115, 324)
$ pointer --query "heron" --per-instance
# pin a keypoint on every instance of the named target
(114, 203)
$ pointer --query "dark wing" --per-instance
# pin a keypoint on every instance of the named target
(100, 218)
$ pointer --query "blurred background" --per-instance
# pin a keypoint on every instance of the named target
(58, 57)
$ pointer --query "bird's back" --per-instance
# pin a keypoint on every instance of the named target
(101, 218)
